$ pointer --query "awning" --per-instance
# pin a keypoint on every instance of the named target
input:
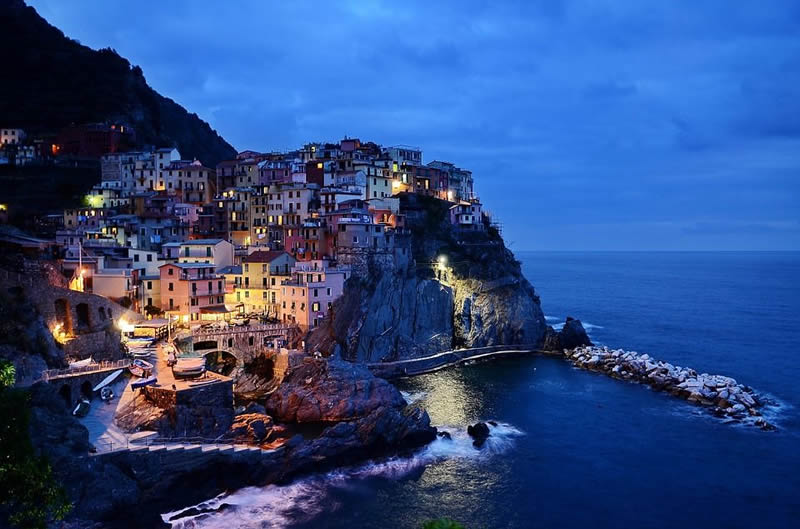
(216, 309)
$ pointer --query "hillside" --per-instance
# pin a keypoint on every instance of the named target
(51, 81)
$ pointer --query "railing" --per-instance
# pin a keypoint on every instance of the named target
(109, 445)
(262, 327)
(51, 374)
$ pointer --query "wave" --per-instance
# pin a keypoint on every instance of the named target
(586, 325)
(551, 318)
(413, 396)
(277, 506)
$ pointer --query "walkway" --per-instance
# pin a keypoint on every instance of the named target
(434, 362)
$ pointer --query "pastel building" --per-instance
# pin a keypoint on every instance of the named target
(217, 252)
(307, 297)
(194, 290)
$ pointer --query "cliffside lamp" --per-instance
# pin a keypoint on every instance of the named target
(442, 261)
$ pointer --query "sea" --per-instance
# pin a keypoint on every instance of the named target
(574, 449)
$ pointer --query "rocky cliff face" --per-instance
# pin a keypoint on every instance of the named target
(476, 297)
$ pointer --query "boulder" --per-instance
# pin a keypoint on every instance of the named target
(571, 336)
(479, 432)
(322, 390)
(251, 427)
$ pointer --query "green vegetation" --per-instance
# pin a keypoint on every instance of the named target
(442, 523)
(31, 495)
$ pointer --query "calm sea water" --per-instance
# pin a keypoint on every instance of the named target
(577, 449)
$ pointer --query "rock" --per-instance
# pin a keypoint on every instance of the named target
(445, 435)
(251, 426)
(337, 391)
(255, 407)
(479, 432)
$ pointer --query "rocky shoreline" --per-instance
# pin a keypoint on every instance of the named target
(722, 395)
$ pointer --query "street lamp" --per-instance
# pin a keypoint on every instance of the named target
(442, 261)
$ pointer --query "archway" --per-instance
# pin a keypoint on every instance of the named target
(205, 345)
(261, 366)
(66, 393)
(86, 389)
(102, 312)
(63, 315)
(221, 362)
(82, 311)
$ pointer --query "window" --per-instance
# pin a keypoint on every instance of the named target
(186, 251)
(315, 306)
(246, 267)
(171, 287)
(329, 291)
(136, 258)
(171, 304)
(316, 293)
(149, 258)
(208, 251)
(149, 285)
(247, 294)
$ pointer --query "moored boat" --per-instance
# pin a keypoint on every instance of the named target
(106, 393)
(144, 382)
(189, 367)
(81, 409)
(140, 368)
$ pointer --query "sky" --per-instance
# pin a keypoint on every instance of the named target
(588, 124)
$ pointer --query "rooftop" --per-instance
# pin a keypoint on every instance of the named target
(201, 241)
(264, 256)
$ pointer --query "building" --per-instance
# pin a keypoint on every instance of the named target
(11, 136)
(308, 296)
(194, 290)
(217, 252)
(467, 216)
(261, 275)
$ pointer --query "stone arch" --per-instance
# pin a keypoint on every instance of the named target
(222, 362)
(82, 313)
(86, 389)
(65, 392)
(63, 315)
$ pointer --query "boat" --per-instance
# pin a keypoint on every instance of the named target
(149, 381)
(108, 380)
(140, 368)
(106, 394)
(81, 409)
(80, 363)
(189, 367)
(143, 353)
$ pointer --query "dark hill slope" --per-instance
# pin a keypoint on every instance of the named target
(50, 81)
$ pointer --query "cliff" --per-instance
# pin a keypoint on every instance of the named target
(474, 296)
(54, 81)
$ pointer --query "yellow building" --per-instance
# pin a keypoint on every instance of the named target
(257, 286)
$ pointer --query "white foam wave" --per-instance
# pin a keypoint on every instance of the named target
(274, 506)
(588, 326)
(551, 318)
(413, 396)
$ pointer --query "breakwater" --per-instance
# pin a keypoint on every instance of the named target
(723, 395)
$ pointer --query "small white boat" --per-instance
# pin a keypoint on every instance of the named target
(141, 368)
(143, 353)
(189, 367)
(81, 409)
(81, 363)
(108, 380)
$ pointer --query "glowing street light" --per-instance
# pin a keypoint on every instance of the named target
(442, 261)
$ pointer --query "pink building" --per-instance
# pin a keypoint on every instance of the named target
(193, 290)
(307, 297)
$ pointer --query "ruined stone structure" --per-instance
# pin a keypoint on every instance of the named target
(85, 321)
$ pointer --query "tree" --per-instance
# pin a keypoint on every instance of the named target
(152, 310)
(31, 495)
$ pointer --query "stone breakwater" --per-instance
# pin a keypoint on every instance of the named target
(725, 397)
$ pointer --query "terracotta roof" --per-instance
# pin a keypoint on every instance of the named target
(263, 256)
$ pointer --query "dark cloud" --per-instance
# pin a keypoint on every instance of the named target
(588, 124)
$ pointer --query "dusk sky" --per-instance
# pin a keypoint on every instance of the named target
(589, 125)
